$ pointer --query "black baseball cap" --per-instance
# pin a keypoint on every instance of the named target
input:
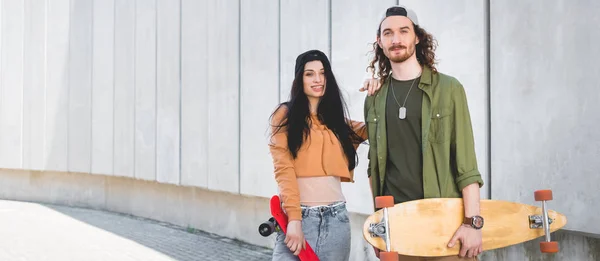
(311, 55)
(400, 10)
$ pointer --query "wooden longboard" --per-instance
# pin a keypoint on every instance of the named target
(424, 227)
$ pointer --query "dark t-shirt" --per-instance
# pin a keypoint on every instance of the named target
(404, 173)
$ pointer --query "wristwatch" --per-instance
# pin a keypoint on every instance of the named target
(475, 222)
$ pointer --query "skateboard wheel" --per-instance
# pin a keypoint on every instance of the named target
(267, 228)
(549, 247)
(384, 202)
(388, 256)
(543, 195)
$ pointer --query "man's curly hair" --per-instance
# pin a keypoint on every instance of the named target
(425, 51)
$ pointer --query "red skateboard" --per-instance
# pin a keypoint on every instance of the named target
(280, 221)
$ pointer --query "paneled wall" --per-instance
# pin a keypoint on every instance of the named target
(260, 68)
(12, 84)
(180, 92)
(545, 103)
(144, 89)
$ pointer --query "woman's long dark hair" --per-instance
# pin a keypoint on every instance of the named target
(331, 112)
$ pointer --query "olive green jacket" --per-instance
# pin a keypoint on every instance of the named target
(449, 161)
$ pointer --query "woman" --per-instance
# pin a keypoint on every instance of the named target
(313, 146)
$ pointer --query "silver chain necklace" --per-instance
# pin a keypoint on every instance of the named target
(402, 110)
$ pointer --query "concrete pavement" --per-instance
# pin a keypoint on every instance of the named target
(31, 231)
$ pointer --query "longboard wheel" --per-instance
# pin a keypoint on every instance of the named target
(388, 256)
(543, 195)
(549, 247)
(384, 202)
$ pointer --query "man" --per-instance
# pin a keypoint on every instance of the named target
(419, 127)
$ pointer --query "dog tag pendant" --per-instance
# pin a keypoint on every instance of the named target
(402, 113)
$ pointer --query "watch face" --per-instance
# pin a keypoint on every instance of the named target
(478, 222)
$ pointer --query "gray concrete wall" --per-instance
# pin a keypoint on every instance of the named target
(174, 93)
(545, 104)
(140, 89)
(179, 93)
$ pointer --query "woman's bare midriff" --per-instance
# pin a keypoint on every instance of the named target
(320, 191)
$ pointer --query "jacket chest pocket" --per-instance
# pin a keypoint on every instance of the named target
(372, 123)
(440, 129)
